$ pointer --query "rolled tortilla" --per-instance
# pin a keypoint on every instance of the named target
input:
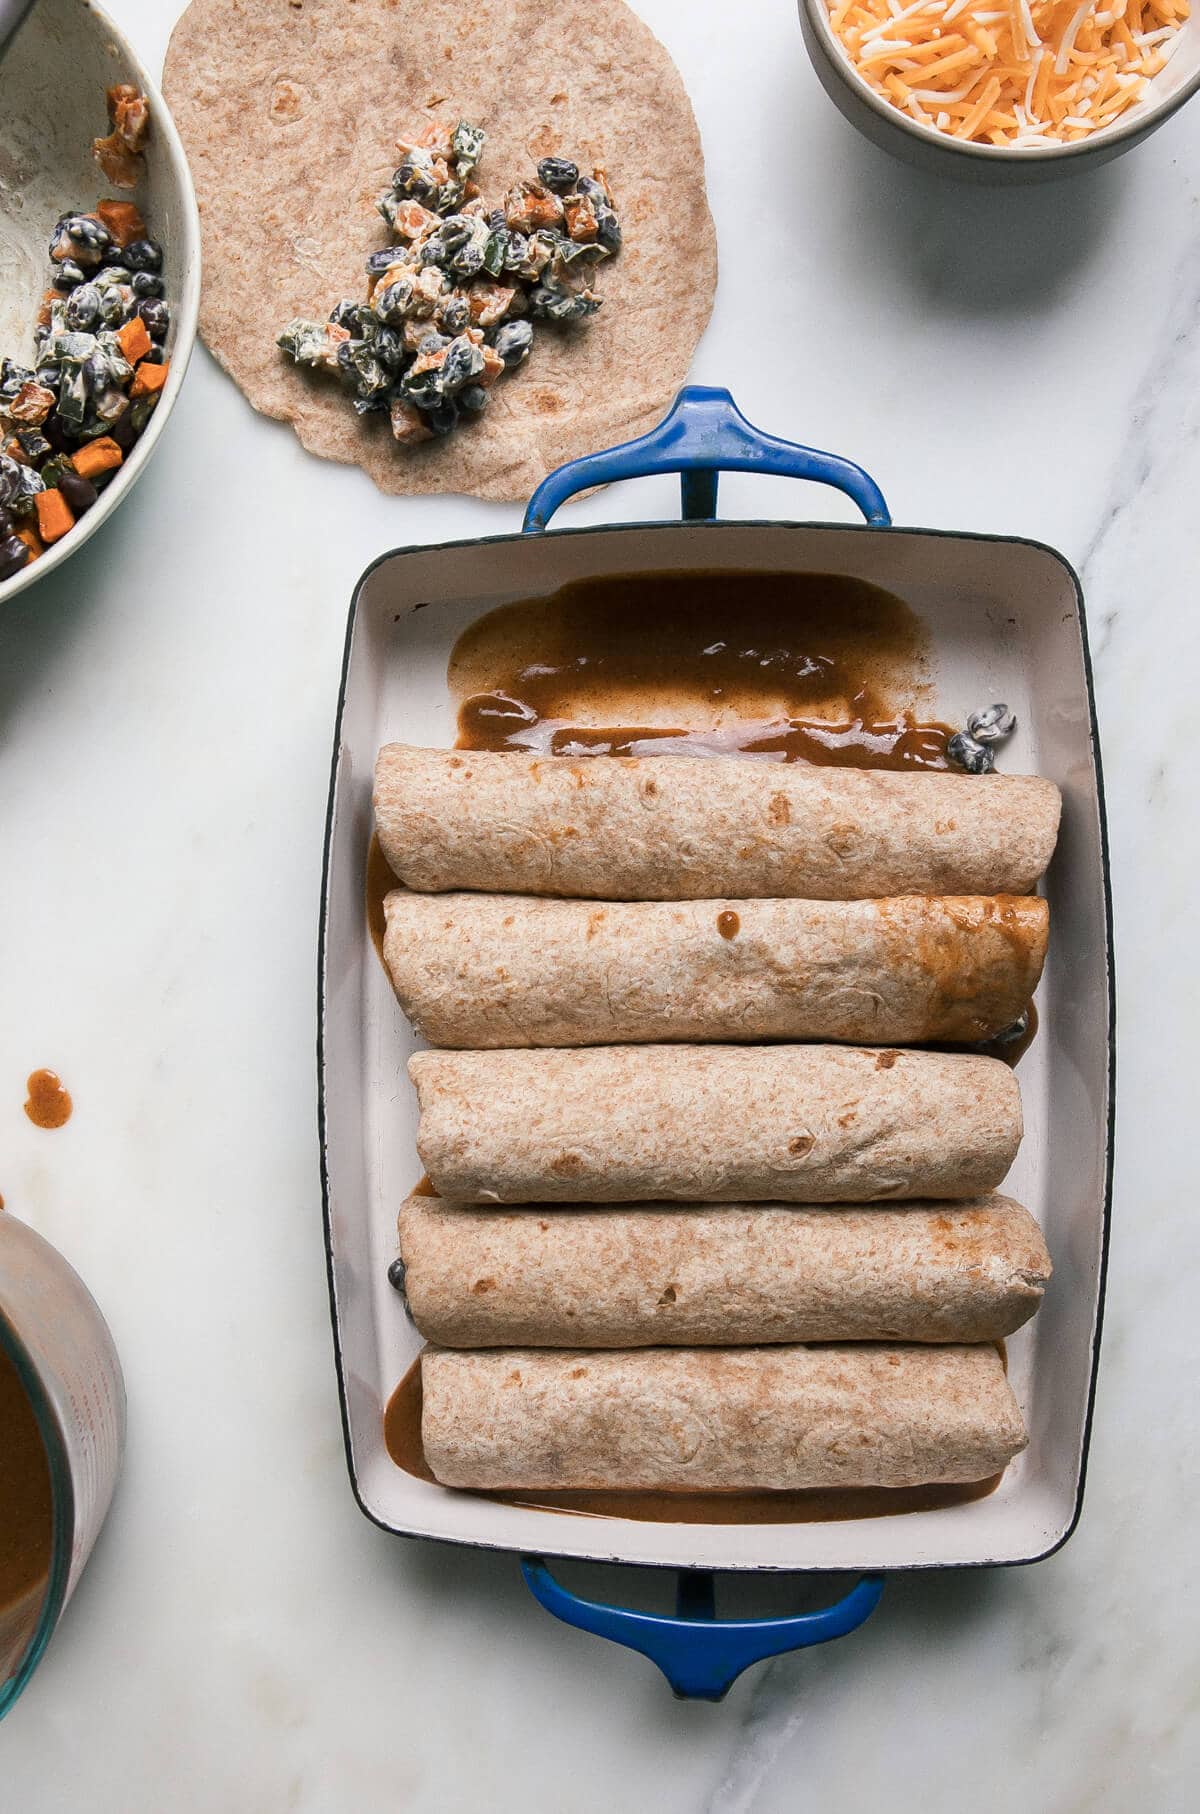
(651, 1275)
(733, 1419)
(683, 828)
(478, 970)
(714, 1124)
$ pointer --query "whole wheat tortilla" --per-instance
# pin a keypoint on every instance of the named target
(290, 112)
(742, 1419)
(715, 1124)
(674, 828)
(485, 970)
(651, 1275)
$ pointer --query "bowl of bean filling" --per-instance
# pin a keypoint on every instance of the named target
(99, 281)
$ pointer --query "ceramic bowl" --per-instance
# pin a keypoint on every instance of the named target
(928, 149)
(53, 80)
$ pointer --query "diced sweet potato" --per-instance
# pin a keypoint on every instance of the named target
(32, 540)
(135, 340)
(54, 515)
(149, 378)
(123, 220)
(101, 455)
(493, 365)
(32, 404)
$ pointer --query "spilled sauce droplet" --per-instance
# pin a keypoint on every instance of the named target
(48, 1103)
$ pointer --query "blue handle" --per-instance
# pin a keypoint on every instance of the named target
(701, 1655)
(704, 433)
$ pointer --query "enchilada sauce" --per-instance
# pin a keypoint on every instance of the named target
(26, 1517)
(785, 667)
(818, 1505)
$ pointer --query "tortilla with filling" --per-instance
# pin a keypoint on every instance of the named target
(717, 1419)
(290, 116)
(679, 828)
(716, 1124)
(478, 970)
(652, 1275)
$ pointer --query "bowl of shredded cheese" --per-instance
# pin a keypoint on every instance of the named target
(1004, 89)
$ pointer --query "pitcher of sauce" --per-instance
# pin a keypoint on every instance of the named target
(62, 1433)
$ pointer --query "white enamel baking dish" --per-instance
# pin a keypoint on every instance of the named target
(1006, 621)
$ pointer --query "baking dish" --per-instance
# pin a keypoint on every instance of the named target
(1005, 619)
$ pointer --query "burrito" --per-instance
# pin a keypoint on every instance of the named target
(479, 970)
(654, 1275)
(712, 1419)
(714, 1124)
(673, 828)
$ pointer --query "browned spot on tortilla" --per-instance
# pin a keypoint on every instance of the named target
(886, 1060)
(778, 811)
(803, 1143)
(577, 1373)
(545, 402)
(483, 1285)
(847, 1118)
(567, 1165)
(668, 1296)
(287, 102)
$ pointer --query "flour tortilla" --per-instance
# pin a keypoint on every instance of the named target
(652, 1275)
(290, 115)
(484, 970)
(717, 1419)
(677, 828)
(714, 1124)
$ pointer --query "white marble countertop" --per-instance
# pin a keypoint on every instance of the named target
(243, 1638)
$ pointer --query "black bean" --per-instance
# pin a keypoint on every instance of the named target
(7, 523)
(462, 364)
(472, 399)
(468, 262)
(966, 753)
(389, 348)
(67, 274)
(442, 418)
(157, 317)
(558, 174)
(395, 1275)
(83, 307)
(513, 341)
(34, 445)
(80, 493)
(608, 230)
(456, 315)
(13, 555)
(57, 433)
(146, 283)
(381, 261)
(143, 255)
(124, 430)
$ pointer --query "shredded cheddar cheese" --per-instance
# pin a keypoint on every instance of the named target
(1013, 72)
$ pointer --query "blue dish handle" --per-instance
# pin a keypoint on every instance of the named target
(704, 433)
(701, 1655)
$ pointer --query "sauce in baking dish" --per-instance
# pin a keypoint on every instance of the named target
(402, 1434)
(26, 1517)
(784, 667)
